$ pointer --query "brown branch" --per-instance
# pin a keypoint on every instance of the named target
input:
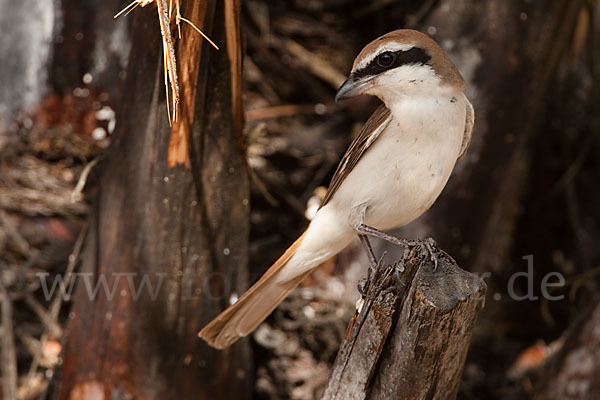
(316, 64)
(18, 240)
(44, 316)
(9, 358)
(287, 110)
(57, 302)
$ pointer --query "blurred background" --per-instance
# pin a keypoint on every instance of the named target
(521, 209)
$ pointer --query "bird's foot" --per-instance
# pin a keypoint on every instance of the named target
(429, 247)
(369, 250)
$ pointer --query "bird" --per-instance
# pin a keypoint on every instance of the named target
(393, 171)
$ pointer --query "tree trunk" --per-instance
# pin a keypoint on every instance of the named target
(181, 232)
(410, 339)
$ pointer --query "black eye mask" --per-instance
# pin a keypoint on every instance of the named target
(393, 59)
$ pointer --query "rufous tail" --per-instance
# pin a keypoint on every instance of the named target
(256, 304)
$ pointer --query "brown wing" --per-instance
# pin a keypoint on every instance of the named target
(365, 138)
(469, 122)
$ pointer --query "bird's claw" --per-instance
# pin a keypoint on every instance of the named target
(398, 269)
(362, 287)
(430, 248)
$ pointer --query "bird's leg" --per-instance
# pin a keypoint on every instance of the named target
(367, 245)
(363, 284)
(363, 229)
(356, 218)
(428, 245)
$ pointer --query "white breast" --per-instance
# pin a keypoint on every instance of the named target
(404, 171)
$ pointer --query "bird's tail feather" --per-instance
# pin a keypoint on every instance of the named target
(255, 305)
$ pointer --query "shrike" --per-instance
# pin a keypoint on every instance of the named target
(392, 173)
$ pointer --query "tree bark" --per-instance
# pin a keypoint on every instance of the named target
(180, 231)
(410, 338)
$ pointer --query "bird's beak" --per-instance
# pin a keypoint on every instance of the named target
(352, 87)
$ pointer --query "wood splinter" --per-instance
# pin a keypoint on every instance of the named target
(170, 63)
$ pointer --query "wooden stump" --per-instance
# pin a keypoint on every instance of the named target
(409, 339)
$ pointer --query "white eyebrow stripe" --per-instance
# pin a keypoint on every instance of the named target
(393, 46)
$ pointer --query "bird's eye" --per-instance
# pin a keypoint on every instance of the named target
(385, 59)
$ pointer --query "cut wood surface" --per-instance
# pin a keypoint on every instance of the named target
(410, 338)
